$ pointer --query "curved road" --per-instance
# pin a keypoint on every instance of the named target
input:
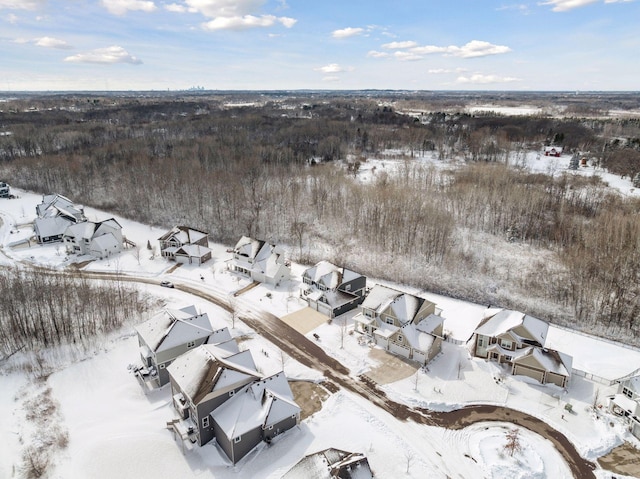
(311, 355)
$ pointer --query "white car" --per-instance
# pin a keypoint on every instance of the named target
(166, 284)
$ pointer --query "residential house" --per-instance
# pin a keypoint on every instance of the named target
(330, 464)
(258, 412)
(261, 261)
(332, 290)
(5, 191)
(169, 334)
(54, 215)
(98, 239)
(517, 339)
(555, 151)
(626, 402)
(185, 245)
(401, 323)
(202, 380)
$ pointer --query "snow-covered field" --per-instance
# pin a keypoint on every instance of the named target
(116, 430)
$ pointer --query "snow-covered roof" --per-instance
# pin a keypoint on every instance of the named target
(329, 464)
(430, 323)
(82, 230)
(625, 403)
(417, 339)
(184, 235)
(633, 384)
(260, 404)
(550, 360)
(105, 243)
(192, 250)
(507, 320)
(335, 298)
(53, 226)
(172, 328)
(404, 306)
(385, 330)
(325, 273)
(211, 368)
(248, 247)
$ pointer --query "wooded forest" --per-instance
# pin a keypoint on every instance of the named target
(476, 226)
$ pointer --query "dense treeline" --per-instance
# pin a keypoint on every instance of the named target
(39, 309)
(234, 171)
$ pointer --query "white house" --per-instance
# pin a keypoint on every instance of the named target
(100, 240)
(261, 261)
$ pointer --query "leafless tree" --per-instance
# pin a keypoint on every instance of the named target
(513, 445)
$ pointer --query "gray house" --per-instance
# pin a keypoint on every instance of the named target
(185, 245)
(330, 464)
(169, 334)
(5, 191)
(517, 340)
(258, 412)
(261, 261)
(401, 323)
(332, 290)
(98, 239)
(54, 215)
(626, 403)
(201, 381)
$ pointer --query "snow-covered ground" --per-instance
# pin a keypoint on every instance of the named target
(116, 430)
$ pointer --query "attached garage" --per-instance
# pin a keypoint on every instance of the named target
(523, 370)
(556, 379)
(400, 350)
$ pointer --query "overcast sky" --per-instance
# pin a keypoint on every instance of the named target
(319, 44)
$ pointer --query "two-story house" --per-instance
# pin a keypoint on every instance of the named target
(258, 412)
(626, 403)
(5, 191)
(184, 244)
(329, 464)
(518, 340)
(167, 335)
(332, 290)
(98, 239)
(204, 379)
(401, 323)
(261, 261)
(54, 215)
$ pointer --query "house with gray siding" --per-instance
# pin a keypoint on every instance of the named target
(202, 380)
(257, 413)
(517, 340)
(401, 323)
(626, 402)
(168, 335)
(5, 190)
(184, 244)
(332, 290)
(330, 464)
(259, 260)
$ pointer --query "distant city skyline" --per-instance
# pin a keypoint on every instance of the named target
(104, 45)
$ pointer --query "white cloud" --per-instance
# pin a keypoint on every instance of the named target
(177, 8)
(331, 68)
(441, 71)
(473, 49)
(247, 21)
(121, 7)
(399, 45)
(225, 8)
(429, 49)
(566, 5)
(113, 54)
(347, 32)
(375, 54)
(407, 56)
(22, 4)
(49, 42)
(12, 18)
(480, 79)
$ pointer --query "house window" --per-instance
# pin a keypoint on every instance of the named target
(231, 393)
(191, 344)
(627, 392)
(270, 427)
(506, 344)
(400, 338)
(347, 287)
(161, 366)
(236, 440)
(482, 341)
(205, 421)
(389, 320)
(367, 313)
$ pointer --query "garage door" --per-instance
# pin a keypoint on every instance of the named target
(556, 379)
(520, 370)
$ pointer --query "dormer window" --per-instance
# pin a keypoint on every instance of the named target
(191, 344)
(627, 392)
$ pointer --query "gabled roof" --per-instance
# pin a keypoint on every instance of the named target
(184, 235)
(53, 226)
(248, 247)
(325, 273)
(508, 320)
(404, 306)
(550, 360)
(329, 464)
(172, 328)
(192, 250)
(91, 229)
(56, 205)
(210, 368)
(260, 404)
(633, 384)
(104, 243)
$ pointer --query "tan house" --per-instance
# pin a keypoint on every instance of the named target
(186, 245)
(517, 340)
(401, 323)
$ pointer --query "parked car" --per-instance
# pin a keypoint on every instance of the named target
(166, 284)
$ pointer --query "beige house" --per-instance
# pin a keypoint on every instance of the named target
(261, 261)
(517, 340)
(186, 245)
(401, 323)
